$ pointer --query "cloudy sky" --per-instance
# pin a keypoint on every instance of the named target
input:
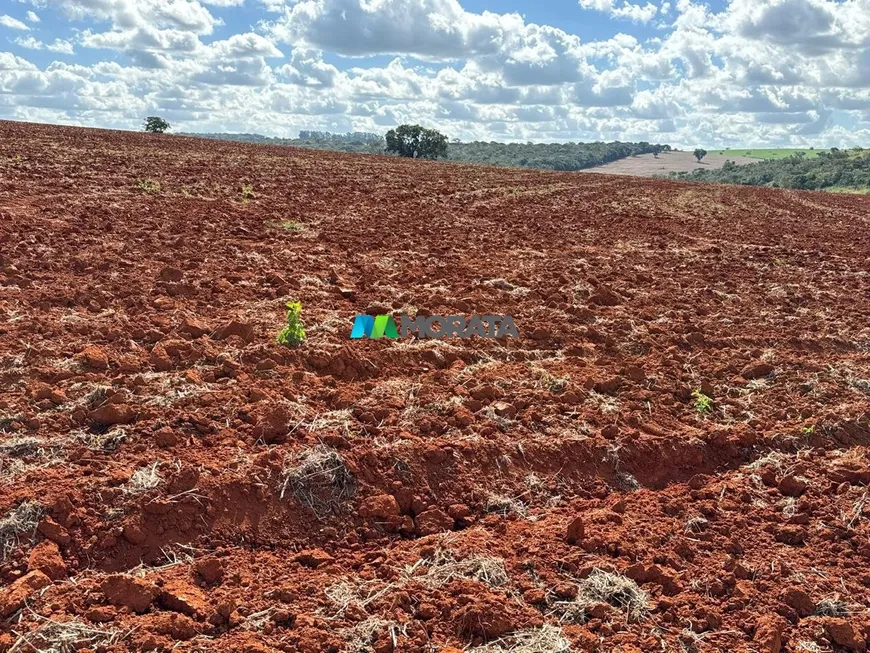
(726, 73)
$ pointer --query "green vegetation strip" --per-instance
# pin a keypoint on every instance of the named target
(836, 170)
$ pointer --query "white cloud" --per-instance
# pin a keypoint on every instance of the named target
(9, 62)
(437, 29)
(12, 23)
(755, 71)
(32, 17)
(307, 68)
(143, 39)
(58, 45)
(245, 46)
(625, 9)
(189, 15)
(29, 42)
(813, 26)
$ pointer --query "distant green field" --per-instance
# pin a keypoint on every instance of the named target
(769, 154)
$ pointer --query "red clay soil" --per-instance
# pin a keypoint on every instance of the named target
(173, 479)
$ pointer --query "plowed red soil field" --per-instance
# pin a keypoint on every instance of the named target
(671, 457)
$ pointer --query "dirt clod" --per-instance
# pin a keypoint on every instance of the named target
(844, 634)
(799, 601)
(46, 557)
(768, 633)
(94, 357)
(210, 569)
(433, 521)
(183, 597)
(792, 486)
(756, 371)
(380, 506)
(15, 596)
(126, 591)
(575, 531)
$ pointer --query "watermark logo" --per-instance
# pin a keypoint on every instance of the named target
(434, 326)
(374, 326)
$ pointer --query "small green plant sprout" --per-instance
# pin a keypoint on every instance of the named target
(247, 194)
(293, 334)
(16, 160)
(703, 404)
(808, 430)
(148, 186)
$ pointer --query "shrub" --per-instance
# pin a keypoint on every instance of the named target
(293, 333)
(148, 186)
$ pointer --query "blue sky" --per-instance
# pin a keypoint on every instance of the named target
(738, 73)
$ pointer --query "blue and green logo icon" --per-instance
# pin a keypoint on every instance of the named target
(433, 326)
(374, 326)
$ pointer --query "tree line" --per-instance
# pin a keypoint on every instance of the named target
(349, 137)
(415, 141)
(548, 156)
(846, 169)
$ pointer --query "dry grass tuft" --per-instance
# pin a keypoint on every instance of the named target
(108, 441)
(832, 607)
(319, 479)
(695, 524)
(606, 404)
(627, 482)
(64, 637)
(357, 593)
(19, 455)
(333, 421)
(443, 568)
(501, 504)
(545, 379)
(616, 590)
(144, 479)
(546, 639)
(362, 637)
(7, 421)
(21, 520)
(258, 620)
(20, 447)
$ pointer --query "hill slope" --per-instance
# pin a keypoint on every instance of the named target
(208, 489)
(646, 165)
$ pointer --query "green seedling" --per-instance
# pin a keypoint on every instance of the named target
(293, 333)
(703, 404)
